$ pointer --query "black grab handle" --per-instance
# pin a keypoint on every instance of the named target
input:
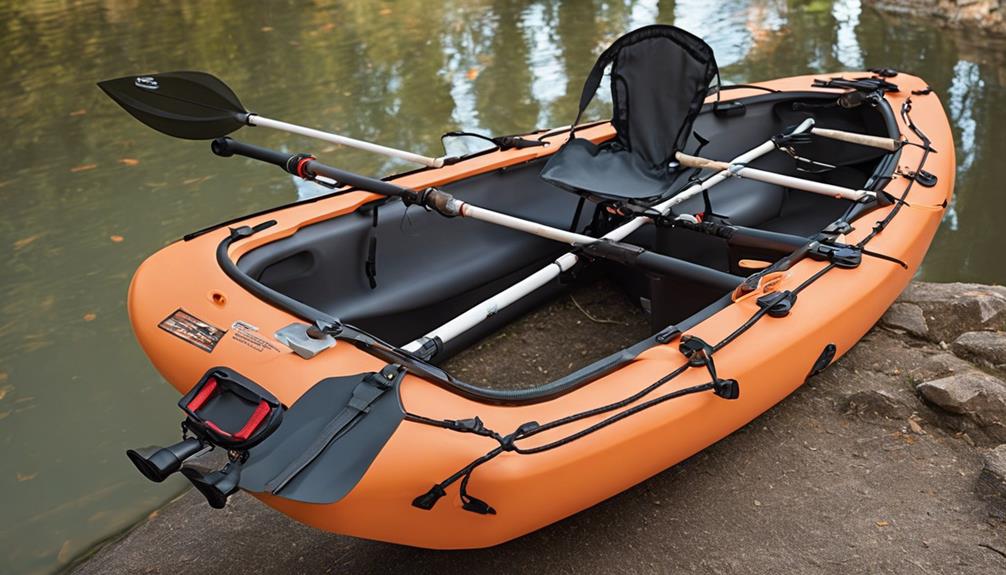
(306, 166)
(227, 147)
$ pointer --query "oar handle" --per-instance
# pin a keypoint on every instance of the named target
(306, 166)
(862, 139)
(227, 147)
(697, 162)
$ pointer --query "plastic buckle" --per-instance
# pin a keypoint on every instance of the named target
(842, 255)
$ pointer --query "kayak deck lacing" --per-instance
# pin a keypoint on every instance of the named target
(697, 352)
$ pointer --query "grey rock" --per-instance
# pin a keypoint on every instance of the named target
(876, 402)
(955, 308)
(986, 347)
(975, 395)
(992, 480)
(907, 317)
(937, 365)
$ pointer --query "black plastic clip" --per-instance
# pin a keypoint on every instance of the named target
(476, 505)
(837, 227)
(700, 353)
(729, 109)
(386, 378)
(883, 72)
(473, 425)
(922, 177)
(508, 142)
(429, 499)
(506, 443)
(322, 327)
(842, 255)
(778, 304)
(823, 360)
(667, 334)
(429, 348)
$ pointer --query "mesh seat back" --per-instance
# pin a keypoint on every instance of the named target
(660, 77)
(658, 84)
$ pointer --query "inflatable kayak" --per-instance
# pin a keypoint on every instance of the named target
(764, 228)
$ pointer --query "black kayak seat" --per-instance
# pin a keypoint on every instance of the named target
(660, 77)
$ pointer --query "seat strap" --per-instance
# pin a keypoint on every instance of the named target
(368, 391)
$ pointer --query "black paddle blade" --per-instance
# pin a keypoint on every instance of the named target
(190, 105)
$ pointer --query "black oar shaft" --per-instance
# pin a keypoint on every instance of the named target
(304, 165)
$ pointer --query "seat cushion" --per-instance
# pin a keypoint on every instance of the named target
(606, 172)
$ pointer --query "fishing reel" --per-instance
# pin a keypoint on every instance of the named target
(226, 410)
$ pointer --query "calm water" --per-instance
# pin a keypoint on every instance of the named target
(88, 193)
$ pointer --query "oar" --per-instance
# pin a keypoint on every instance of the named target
(306, 166)
(489, 307)
(740, 170)
(889, 144)
(199, 106)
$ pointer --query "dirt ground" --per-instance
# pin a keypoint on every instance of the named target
(829, 481)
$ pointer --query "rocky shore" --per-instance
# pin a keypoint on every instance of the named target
(893, 460)
(984, 15)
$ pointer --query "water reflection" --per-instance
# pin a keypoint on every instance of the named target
(87, 193)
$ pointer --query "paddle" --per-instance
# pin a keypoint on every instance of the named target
(199, 106)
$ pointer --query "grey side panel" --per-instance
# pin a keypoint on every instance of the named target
(341, 466)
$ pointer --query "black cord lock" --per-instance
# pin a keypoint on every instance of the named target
(700, 353)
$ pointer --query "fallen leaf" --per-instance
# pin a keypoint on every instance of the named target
(191, 181)
(328, 27)
(472, 73)
(83, 168)
(26, 476)
(89, 316)
(117, 239)
(385, 12)
(25, 242)
(267, 28)
(79, 112)
(129, 161)
(65, 552)
(5, 390)
(153, 514)
(882, 523)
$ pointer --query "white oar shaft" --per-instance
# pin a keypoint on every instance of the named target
(741, 171)
(256, 120)
(888, 144)
(544, 276)
(559, 235)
